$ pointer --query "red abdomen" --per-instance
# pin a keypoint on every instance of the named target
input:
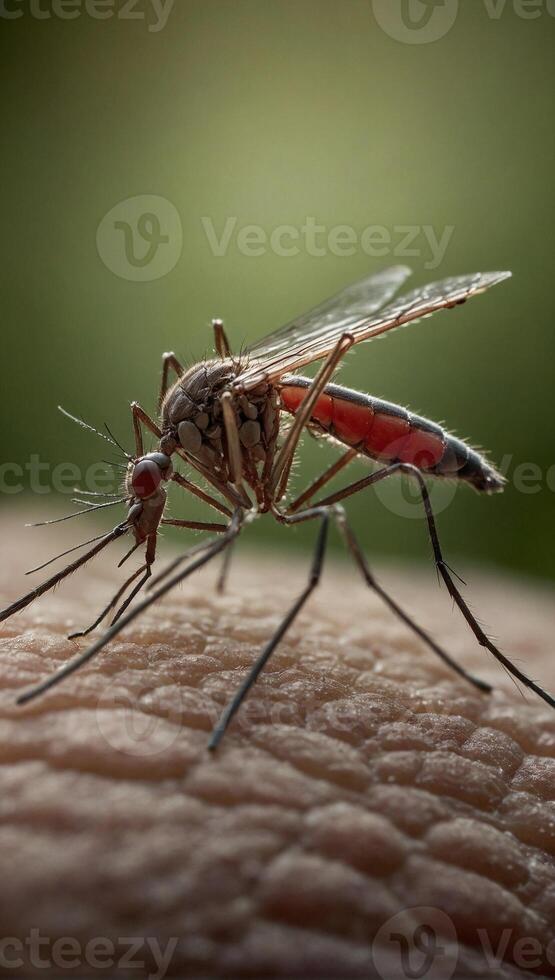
(389, 433)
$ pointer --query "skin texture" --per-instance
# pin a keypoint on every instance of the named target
(361, 779)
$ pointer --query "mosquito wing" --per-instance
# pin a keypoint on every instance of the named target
(359, 310)
(359, 300)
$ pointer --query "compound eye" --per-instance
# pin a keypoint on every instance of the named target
(146, 478)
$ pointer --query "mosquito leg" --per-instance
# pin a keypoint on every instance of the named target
(227, 490)
(150, 557)
(262, 660)
(454, 591)
(234, 446)
(224, 571)
(169, 363)
(329, 474)
(195, 525)
(113, 602)
(147, 573)
(216, 548)
(221, 343)
(140, 417)
(441, 565)
(362, 564)
(192, 488)
(360, 560)
(176, 562)
(284, 460)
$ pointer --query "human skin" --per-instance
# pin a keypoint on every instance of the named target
(360, 779)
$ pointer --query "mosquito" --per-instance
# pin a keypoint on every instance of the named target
(224, 417)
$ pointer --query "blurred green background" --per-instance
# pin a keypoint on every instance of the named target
(269, 113)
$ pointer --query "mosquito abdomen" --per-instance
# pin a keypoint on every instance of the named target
(389, 433)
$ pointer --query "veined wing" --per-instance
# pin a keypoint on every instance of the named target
(312, 337)
(359, 300)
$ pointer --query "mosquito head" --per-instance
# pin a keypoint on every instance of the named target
(145, 492)
(145, 475)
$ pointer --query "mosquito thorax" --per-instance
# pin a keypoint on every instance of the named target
(192, 417)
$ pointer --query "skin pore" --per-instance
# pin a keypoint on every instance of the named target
(361, 778)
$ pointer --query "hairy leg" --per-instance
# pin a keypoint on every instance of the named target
(262, 660)
(442, 567)
(234, 451)
(221, 343)
(321, 481)
(284, 460)
(358, 556)
(169, 363)
(112, 603)
(140, 419)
